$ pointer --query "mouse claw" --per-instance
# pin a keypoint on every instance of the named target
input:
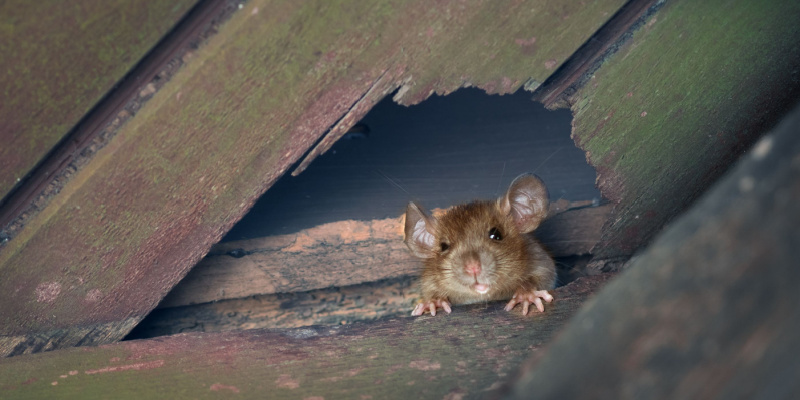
(543, 294)
(431, 306)
(446, 306)
(526, 298)
(418, 310)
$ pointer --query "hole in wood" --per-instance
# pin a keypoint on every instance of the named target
(326, 247)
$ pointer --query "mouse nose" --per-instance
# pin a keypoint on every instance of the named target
(472, 266)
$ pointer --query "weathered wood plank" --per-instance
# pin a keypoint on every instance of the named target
(347, 253)
(710, 310)
(59, 59)
(149, 205)
(95, 128)
(667, 114)
(330, 306)
(467, 354)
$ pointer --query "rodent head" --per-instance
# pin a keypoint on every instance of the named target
(478, 247)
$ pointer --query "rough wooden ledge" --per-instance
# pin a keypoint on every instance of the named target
(348, 253)
(467, 354)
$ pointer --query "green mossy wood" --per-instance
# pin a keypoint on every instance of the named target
(149, 205)
(709, 310)
(468, 354)
(58, 60)
(684, 97)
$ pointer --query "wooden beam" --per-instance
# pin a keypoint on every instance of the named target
(329, 306)
(710, 310)
(469, 353)
(347, 253)
(79, 142)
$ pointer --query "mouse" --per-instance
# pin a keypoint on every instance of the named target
(484, 250)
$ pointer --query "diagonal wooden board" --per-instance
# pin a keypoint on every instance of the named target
(709, 310)
(59, 60)
(678, 102)
(129, 225)
(470, 353)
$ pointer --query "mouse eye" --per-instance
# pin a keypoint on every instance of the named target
(445, 246)
(494, 234)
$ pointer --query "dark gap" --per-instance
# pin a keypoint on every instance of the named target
(444, 151)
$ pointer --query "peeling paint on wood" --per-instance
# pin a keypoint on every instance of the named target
(130, 224)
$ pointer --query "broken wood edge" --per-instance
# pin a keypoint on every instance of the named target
(629, 17)
(347, 253)
(88, 335)
(712, 299)
(575, 71)
(470, 352)
(104, 119)
(379, 88)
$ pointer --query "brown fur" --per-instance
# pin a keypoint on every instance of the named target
(516, 262)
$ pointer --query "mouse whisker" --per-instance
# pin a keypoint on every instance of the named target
(547, 159)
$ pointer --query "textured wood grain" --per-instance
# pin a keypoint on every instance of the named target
(563, 83)
(329, 306)
(678, 102)
(59, 59)
(710, 310)
(129, 225)
(467, 354)
(347, 253)
(102, 121)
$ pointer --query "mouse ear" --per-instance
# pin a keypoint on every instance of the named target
(527, 202)
(419, 230)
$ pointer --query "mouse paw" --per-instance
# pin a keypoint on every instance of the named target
(528, 297)
(431, 305)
